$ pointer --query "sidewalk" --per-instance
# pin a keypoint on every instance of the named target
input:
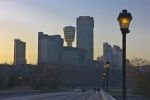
(94, 97)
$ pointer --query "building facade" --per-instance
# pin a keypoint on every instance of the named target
(49, 48)
(85, 26)
(117, 60)
(19, 52)
(73, 56)
(107, 53)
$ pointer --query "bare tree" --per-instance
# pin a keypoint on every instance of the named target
(139, 61)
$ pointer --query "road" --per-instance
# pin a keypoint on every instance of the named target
(59, 96)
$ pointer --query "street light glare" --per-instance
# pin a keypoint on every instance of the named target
(104, 74)
(124, 21)
(107, 64)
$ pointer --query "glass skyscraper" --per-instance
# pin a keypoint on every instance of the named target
(85, 26)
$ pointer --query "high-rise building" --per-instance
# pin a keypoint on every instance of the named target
(107, 53)
(55, 45)
(19, 52)
(117, 53)
(85, 26)
(49, 48)
(112, 54)
(69, 34)
(42, 48)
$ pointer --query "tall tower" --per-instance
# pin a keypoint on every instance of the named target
(85, 26)
(42, 48)
(19, 52)
(69, 34)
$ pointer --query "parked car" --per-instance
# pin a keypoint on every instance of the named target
(77, 90)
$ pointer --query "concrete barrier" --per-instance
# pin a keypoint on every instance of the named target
(106, 96)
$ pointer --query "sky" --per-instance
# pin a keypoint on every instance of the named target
(23, 19)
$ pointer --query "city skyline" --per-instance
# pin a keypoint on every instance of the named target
(25, 18)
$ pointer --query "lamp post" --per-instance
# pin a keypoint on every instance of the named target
(107, 65)
(124, 19)
(102, 78)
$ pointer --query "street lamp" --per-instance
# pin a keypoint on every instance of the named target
(20, 80)
(107, 65)
(124, 20)
(102, 78)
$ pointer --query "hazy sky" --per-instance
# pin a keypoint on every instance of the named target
(25, 18)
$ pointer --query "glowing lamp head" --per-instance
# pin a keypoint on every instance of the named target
(107, 64)
(124, 20)
(104, 73)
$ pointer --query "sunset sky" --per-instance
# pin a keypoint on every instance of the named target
(23, 19)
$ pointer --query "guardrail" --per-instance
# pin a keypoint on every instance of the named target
(106, 96)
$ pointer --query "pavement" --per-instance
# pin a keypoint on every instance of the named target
(133, 98)
(59, 96)
(95, 97)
